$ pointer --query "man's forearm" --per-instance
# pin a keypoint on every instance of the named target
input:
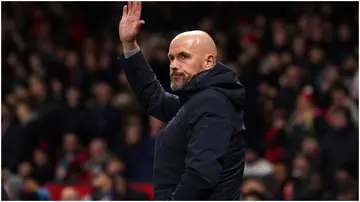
(147, 88)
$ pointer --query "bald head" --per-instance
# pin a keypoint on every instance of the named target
(190, 53)
(200, 41)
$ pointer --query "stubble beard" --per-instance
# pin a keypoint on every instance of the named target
(176, 87)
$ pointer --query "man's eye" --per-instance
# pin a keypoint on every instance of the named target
(183, 57)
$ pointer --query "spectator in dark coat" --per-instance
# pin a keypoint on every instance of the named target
(340, 147)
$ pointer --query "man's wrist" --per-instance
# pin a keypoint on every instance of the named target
(130, 46)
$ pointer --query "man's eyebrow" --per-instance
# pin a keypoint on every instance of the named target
(179, 53)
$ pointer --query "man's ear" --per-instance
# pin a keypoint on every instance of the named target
(210, 61)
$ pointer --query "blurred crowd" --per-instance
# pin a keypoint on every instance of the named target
(68, 114)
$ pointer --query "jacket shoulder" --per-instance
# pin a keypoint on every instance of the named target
(210, 98)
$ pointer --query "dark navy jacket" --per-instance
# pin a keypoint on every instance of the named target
(200, 154)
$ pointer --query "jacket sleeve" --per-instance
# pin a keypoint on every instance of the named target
(148, 90)
(209, 135)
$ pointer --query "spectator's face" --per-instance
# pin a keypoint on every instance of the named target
(339, 120)
(300, 167)
(11, 99)
(317, 34)
(310, 146)
(280, 172)
(102, 93)
(351, 64)
(72, 60)
(22, 111)
(97, 148)
(40, 158)
(298, 46)
(12, 59)
(260, 21)
(24, 169)
(253, 185)
(274, 60)
(69, 194)
(303, 102)
(338, 97)
(36, 88)
(133, 130)
(279, 38)
(344, 33)
(292, 76)
(316, 55)
(90, 62)
(331, 74)
(342, 175)
(250, 155)
(21, 93)
(303, 22)
(56, 86)
(70, 142)
(73, 96)
(35, 62)
(30, 185)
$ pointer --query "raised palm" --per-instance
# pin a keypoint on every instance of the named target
(130, 23)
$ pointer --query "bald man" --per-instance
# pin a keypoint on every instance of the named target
(200, 153)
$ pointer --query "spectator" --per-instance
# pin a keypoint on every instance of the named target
(102, 188)
(33, 191)
(115, 167)
(12, 184)
(276, 139)
(69, 194)
(343, 139)
(72, 159)
(98, 157)
(256, 166)
(138, 149)
(42, 169)
(340, 98)
(347, 190)
(254, 186)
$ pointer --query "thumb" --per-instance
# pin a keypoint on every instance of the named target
(141, 22)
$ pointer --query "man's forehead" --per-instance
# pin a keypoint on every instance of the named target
(182, 45)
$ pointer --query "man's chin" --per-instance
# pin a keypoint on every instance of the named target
(176, 87)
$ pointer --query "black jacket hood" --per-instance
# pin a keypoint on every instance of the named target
(220, 78)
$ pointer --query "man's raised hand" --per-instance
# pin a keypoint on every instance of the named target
(130, 23)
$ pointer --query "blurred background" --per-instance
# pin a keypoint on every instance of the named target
(72, 130)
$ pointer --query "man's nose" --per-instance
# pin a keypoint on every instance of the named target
(173, 65)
